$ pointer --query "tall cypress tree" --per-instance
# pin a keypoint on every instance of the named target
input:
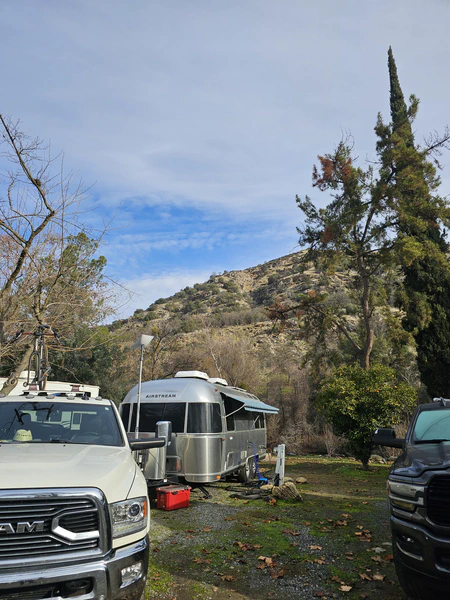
(410, 180)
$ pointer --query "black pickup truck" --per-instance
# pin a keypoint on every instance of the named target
(419, 497)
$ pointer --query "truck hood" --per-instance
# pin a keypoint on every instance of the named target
(30, 466)
(416, 459)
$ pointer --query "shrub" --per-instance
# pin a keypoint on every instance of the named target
(356, 401)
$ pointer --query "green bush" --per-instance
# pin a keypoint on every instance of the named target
(356, 401)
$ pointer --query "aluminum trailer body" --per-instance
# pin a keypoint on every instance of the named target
(216, 429)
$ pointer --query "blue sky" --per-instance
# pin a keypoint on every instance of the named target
(197, 122)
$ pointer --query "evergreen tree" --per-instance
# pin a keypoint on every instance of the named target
(409, 178)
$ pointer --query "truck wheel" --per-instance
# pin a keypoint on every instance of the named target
(414, 585)
(246, 473)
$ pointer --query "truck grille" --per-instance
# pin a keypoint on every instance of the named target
(439, 500)
(27, 526)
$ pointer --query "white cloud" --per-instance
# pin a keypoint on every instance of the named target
(214, 105)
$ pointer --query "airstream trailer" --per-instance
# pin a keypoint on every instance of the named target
(216, 429)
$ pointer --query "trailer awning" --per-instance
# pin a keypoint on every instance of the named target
(253, 404)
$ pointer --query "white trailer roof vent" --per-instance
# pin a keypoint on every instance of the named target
(192, 374)
(218, 380)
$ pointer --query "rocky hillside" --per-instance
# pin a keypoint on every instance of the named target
(236, 298)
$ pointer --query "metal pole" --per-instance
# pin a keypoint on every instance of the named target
(136, 432)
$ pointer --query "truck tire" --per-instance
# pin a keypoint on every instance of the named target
(246, 473)
(414, 585)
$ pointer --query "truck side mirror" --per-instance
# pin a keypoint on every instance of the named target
(147, 444)
(386, 437)
(164, 429)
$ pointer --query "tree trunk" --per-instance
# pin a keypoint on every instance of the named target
(12, 380)
(367, 315)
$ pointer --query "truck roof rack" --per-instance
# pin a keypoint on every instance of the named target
(443, 401)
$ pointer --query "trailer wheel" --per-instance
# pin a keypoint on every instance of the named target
(246, 473)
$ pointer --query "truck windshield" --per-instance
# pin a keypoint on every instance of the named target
(432, 426)
(51, 422)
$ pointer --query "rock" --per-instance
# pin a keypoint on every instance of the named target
(376, 458)
(267, 487)
(301, 480)
(287, 491)
(288, 479)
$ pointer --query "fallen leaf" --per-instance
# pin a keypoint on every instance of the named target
(227, 578)
(315, 547)
(345, 588)
(277, 574)
(378, 577)
(376, 559)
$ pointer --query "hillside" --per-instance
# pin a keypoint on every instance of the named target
(236, 298)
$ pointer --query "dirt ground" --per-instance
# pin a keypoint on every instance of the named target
(334, 544)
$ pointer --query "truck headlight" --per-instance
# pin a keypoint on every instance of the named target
(406, 496)
(129, 516)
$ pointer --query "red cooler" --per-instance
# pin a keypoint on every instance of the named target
(171, 497)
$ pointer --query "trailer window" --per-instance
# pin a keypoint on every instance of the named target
(151, 413)
(231, 407)
(243, 421)
(204, 418)
(259, 421)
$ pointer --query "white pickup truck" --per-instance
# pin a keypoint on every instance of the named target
(74, 510)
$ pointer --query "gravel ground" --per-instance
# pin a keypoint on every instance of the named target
(214, 549)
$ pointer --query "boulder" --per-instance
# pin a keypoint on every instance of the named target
(377, 459)
(287, 491)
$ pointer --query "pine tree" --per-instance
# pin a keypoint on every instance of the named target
(410, 180)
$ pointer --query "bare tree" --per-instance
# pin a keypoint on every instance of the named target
(49, 268)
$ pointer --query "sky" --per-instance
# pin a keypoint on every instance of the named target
(197, 122)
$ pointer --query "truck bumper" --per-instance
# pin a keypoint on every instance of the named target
(98, 580)
(420, 550)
